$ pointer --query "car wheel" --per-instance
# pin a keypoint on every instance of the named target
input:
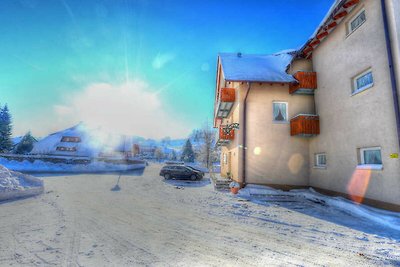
(193, 177)
(167, 176)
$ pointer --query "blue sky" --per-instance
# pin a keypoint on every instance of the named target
(152, 62)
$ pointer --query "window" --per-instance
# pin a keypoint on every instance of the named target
(70, 139)
(363, 82)
(371, 156)
(225, 159)
(68, 149)
(320, 160)
(358, 20)
(280, 111)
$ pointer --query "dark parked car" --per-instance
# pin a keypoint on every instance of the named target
(180, 172)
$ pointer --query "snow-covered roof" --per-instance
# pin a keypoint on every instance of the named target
(339, 8)
(91, 142)
(326, 18)
(49, 144)
(257, 68)
(17, 140)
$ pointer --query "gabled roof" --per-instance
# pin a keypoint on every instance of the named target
(256, 68)
(49, 144)
(336, 14)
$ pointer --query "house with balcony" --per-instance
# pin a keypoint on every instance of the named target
(325, 115)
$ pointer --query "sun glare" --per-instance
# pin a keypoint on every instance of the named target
(358, 185)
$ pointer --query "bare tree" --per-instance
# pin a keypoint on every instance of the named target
(158, 154)
(207, 151)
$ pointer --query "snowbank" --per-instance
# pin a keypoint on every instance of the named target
(16, 185)
(383, 217)
(48, 167)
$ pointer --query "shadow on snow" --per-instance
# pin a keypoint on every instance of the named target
(322, 211)
(188, 183)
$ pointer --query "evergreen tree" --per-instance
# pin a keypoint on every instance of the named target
(5, 130)
(26, 144)
(187, 152)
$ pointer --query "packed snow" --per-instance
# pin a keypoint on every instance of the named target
(378, 216)
(82, 220)
(14, 181)
(16, 185)
(48, 167)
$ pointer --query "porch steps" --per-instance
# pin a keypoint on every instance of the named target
(222, 184)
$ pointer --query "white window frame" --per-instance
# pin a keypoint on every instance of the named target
(363, 165)
(359, 90)
(353, 18)
(287, 111)
(225, 159)
(317, 163)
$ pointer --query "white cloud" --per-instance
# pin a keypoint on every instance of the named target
(131, 108)
(161, 59)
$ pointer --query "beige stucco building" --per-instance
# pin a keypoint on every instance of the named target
(324, 116)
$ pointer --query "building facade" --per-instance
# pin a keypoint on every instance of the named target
(335, 125)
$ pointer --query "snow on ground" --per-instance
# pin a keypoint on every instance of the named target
(41, 166)
(82, 221)
(15, 184)
(380, 217)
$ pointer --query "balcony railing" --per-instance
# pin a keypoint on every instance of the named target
(225, 103)
(306, 83)
(225, 138)
(305, 125)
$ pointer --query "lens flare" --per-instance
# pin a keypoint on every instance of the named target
(295, 163)
(257, 151)
(358, 185)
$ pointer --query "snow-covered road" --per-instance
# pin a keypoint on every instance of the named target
(84, 220)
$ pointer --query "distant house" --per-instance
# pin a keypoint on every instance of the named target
(74, 141)
(326, 115)
(82, 141)
(147, 150)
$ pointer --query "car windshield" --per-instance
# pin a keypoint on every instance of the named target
(191, 168)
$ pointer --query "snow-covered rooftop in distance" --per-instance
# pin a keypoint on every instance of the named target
(16, 140)
(49, 144)
(257, 68)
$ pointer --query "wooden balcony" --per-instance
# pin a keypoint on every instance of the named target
(226, 100)
(305, 125)
(225, 138)
(306, 83)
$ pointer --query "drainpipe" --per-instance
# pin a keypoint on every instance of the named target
(391, 69)
(244, 135)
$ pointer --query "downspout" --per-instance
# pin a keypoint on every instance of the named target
(391, 69)
(244, 135)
